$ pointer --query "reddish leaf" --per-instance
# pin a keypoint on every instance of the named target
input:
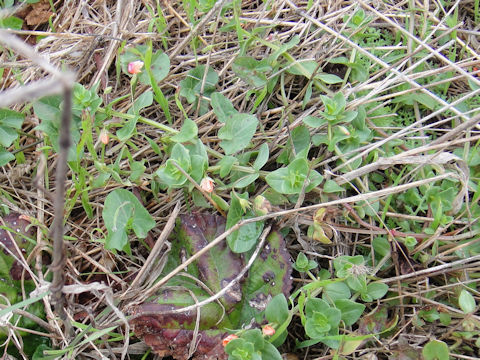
(172, 334)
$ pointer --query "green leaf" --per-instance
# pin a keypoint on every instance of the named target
(222, 107)
(268, 277)
(336, 291)
(226, 165)
(377, 290)
(340, 102)
(317, 325)
(314, 121)
(262, 157)
(246, 180)
(359, 283)
(191, 86)
(284, 48)
(301, 139)
(348, 116)
(169, 174)
(252, 71)
(240, 349)
(303, 68)
(122, 211)
(22, 304)
(128, 129)
(314, 180)
(466, 302)
(11, 22)
(255, 337)
(321, 318)
(138, 169)
(85, 99)
(160, 67)
(329, 78)
(270, 352)
(435, 350)
(5, 157)
(199, 159)
(302, 264)
(332, 187)
(246, 237)
(48, 108)
(277, 310)
(381, 246)
(237, 132)
(308, 95)
(10, 122)
(143, 101)
(351, 311)
(188, 131)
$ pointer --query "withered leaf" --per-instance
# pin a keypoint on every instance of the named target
(39, 14)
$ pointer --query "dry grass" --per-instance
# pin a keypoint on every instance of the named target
(87, 39)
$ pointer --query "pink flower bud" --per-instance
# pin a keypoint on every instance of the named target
(228, 339)
(268, 330)
(207, 184)
(135, 67)
(104, 137)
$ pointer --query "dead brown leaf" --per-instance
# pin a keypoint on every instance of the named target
(39, 13)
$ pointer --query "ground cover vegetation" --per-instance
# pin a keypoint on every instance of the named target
(245, 179)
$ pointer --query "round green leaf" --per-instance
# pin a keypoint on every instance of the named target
(435, 350)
